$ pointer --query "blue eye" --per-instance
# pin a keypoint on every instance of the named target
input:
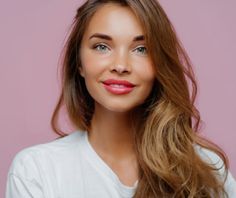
(142, 50)
(100, 47)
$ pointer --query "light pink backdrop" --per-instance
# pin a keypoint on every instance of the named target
(31, 38)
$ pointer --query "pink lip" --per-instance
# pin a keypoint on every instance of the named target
(118, 86)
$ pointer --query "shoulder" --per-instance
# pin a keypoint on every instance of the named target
(36, 170)
(213, 159)
(29, 161)
(209, 157)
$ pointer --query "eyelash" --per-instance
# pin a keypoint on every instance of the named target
(99, 45)
(142, 47)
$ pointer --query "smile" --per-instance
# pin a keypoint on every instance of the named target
(118, 86)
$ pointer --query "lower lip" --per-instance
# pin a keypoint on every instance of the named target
(118, 90)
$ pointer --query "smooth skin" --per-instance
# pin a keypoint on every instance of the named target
(117, 55)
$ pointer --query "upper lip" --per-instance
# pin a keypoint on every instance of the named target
(118, 82)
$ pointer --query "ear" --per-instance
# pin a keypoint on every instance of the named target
(81, 71)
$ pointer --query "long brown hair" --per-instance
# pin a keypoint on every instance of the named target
(169, 165)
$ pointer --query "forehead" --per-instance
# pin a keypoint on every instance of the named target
(115, 20)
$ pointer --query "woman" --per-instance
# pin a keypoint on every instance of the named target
(125, 88)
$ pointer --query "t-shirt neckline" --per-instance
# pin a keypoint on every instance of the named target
(103, 168)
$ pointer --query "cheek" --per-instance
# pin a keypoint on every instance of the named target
(87, 69)
(147, 76)
(146, 72)
(92, 65)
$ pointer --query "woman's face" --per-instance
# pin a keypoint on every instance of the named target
(116, 66)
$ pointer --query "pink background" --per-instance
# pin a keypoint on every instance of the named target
(32, 34)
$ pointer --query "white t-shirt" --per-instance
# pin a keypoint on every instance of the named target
(70, 168)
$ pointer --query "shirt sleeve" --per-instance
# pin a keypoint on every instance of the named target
(230, 185)
(22, 188)
(213, 159)
(24, 177)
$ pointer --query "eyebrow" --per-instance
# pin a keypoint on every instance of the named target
(106, 37)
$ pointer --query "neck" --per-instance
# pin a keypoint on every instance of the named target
(111, 134)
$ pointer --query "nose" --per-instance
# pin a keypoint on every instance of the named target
(121, 63)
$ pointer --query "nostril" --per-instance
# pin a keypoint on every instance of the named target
(121, 69)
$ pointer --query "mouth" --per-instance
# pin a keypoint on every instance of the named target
(118, 87)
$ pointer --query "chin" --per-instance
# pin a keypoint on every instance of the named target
(116, 110)
(120, 108)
